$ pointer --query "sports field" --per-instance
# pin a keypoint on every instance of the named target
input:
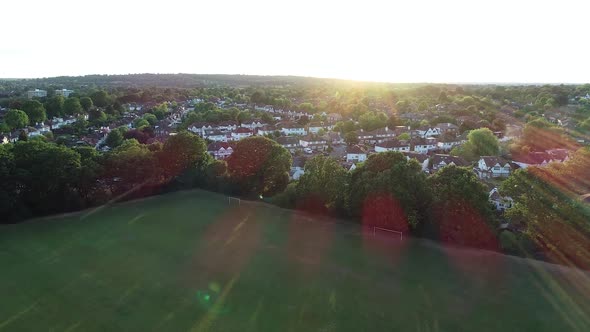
(189, 261)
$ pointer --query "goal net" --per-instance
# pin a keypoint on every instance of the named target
(377, 230)
(234, 201)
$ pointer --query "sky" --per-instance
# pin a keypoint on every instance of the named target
(498, 41)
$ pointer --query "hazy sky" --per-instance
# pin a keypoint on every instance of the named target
(398, 41)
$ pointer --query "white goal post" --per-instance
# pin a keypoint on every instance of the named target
(375, 229)
(234, 200)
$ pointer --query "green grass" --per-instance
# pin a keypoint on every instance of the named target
(185, 261)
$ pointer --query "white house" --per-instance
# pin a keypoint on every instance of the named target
(297, 168)
(422, 159)
(293, 129)
(424, 146)
(491, 166)
(425, 132)
(266, 130)
(200, 127)
(289, 143)
(439, 161)
(501, 203)
(314, 142)
(227, 125)
(241, 133)
(392, 145)
(253, 124)
(220, 150)
(356, 154)
(216, 136)
(382, 134)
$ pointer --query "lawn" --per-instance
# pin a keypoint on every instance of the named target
(188, 261)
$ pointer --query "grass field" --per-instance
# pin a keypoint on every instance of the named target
(188, 261)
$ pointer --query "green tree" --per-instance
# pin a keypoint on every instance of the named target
(97, 116)
(72, 106)
(404, 137)
(46, 174)
(480, 142)
(462, 213)
(259, 166)
(35, 111)
(16, 119)
(389, 190)
(323, 186)
(86, 103)
(140, 122)
(100, 98)
(182, 152)
(351, 138)
(114, 138)
(55, 106)
(151, 118)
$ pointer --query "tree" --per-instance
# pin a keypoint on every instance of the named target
(160, 111)
(100, 98)
(140, 122)
(130, 169)
(97, 116)
(323, 186)
(462, 214)
(86, 103)
(259, 166)
(182, 152)
(388, 190)
(16, 119)
(480, 142)
(35, 111)
(351, 138)
(267, 118)
(46, 174)
(55, 106)
(72, 106)
(404, 137)
(243, 116)
(544, 209)
(114, 138)
(150, 118)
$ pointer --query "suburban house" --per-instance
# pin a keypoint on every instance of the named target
(392, 145)
(493, 167)
(253, 124)
(542, 158)
(199, 128)
(447, 142)
(293, 129)
(220, 150)
(382, 134)
(335, 138)
(227, 125)
(355, 154)
(501, 203)
(314, 142)
(439, 161)
(349, 167)
(289, 143)
(266, 130)
(422, 159)
(241, 133)
(314, 128)
(365, 136)
(423, 145)
(425, 132)
(334, 117)
(447, 128)
(216, 135)
(297, 168)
